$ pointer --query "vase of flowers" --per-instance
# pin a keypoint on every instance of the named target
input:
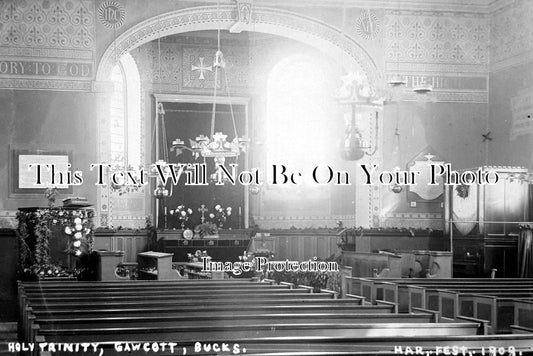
(51, 193)
(220, 215)
(183, 214)
(198, 256)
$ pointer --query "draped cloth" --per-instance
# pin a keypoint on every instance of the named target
(525, 252)
(465, 210)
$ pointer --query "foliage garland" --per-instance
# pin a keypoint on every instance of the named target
(25, 255)
(76, 221)
(42, 246)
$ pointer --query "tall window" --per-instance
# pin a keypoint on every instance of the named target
(127, 206)
(297, 127)
(125, 130)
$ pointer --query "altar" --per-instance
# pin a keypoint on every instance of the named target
(227, 247)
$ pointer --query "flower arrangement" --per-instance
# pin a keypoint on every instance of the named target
(205, 229)
(34, 253)
(220, 215)
(198, 256)
(183, 213)
(251, 256)
(46, 271)
(317, 280)
(50, 194)
(78, 229)
(462, 190)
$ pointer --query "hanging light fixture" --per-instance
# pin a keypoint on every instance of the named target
(356, 91)
(422, 87)
(161, 191)
(396, 188)
(353, 147)
(216, 145)
(396, 81)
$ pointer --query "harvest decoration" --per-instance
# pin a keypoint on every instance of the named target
(183, 213)
(34, 233)
(220, 215)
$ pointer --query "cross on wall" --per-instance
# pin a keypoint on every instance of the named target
(201, 68)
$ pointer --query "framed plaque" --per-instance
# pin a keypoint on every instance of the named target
(24, 175)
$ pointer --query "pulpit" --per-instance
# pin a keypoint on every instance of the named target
(52, 239)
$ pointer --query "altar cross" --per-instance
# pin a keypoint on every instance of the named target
(202, 209)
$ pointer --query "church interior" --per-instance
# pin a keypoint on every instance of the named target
(266, 177)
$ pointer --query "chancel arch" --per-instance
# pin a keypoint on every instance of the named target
(341, 49)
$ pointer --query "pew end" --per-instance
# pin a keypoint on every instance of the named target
(516, 329)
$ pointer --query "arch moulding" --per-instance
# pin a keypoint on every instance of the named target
(342, 49)
(329, 39)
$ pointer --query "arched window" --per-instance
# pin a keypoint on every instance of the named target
(297, 113)
(127, 206)
(125, 130)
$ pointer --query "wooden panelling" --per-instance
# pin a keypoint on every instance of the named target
(131, 242)
(300, 246)
(8, 275)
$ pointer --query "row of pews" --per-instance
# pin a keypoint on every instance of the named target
(251, 317)
(505, 305)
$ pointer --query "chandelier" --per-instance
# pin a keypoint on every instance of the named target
(216, 145)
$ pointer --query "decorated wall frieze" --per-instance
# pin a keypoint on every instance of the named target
(436, 37)
(40, 23)
(444, 68)
(176, 67)
(301, 222)
(52, 39)
(45, 84)
(445, 82)
(36, 68)
(511, 35)
(413, 220)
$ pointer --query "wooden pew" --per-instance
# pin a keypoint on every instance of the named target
(330, 322)
(391, 289)
(332, 306)
(295, 302)
(497, 307)
(456, 299)
(234, 301)
(237, 318)
(523, 313)
(223, 310)
(136, 285)
(154, 295)
(205, 333)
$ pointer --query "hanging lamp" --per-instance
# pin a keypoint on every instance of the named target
(216, 145)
